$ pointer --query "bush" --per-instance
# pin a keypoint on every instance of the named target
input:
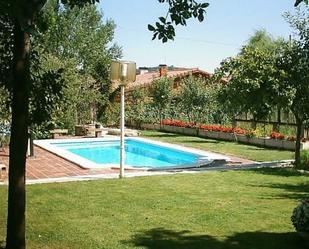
(300, 217)
(304, 160)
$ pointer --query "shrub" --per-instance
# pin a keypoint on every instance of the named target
(253, 133)
(304, 160)
(300, 217)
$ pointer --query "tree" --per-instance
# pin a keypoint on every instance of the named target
(196, 99)
(293, 65)
(294, 86)
(300, 1)
(162, 93)
(85, 59)
(136, 107)
(253, 83)
(263, 41)
(21, 15)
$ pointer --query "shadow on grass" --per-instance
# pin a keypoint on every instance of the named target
(2, 244)
(295, 192)
(160, 238)
(287, 172)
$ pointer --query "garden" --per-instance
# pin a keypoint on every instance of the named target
(54, 74)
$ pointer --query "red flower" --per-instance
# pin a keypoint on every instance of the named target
(276, 135)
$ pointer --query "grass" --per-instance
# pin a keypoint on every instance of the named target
(214, 210)
(229, 148)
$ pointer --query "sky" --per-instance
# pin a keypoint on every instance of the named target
(227, 26)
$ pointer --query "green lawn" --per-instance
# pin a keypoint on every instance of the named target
(214, 210)
(229, 148)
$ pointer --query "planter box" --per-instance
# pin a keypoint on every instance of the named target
(274, 143)
(215, 135)
(259, 141)
(179, 130)
(167, 128)
(289, 145)
(211, 134)
(242, 138)
(202, 133)
(190, 131)
(226, 136)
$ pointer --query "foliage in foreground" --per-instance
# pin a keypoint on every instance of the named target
(300, 217)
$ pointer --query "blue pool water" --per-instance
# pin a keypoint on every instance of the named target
(137, 153)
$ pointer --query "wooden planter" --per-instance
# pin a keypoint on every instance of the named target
(227, 136)
(274, 143)
(216, 135)
(242, 138)
(168, 128)
(190, 131)
(259, 141)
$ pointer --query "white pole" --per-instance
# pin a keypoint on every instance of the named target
(122, 152)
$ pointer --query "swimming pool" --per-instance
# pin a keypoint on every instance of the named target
(139, 153)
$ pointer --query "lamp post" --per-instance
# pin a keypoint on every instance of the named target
(122, 72)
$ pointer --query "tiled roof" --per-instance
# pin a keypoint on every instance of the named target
(146, 79)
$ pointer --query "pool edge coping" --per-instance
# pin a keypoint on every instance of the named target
(84, 163)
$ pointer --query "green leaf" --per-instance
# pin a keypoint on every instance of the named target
(162, 19)
(151, 28)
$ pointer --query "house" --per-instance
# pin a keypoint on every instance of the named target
(146, 76)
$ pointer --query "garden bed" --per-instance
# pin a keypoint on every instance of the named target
(227, 136)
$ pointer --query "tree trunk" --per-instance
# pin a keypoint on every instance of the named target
(298, 141)
(18, 145)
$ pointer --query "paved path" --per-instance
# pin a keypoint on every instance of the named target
(47, 165)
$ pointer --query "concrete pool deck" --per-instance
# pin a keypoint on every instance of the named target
(46, 167)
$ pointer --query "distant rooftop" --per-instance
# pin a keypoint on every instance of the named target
(148, 75)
